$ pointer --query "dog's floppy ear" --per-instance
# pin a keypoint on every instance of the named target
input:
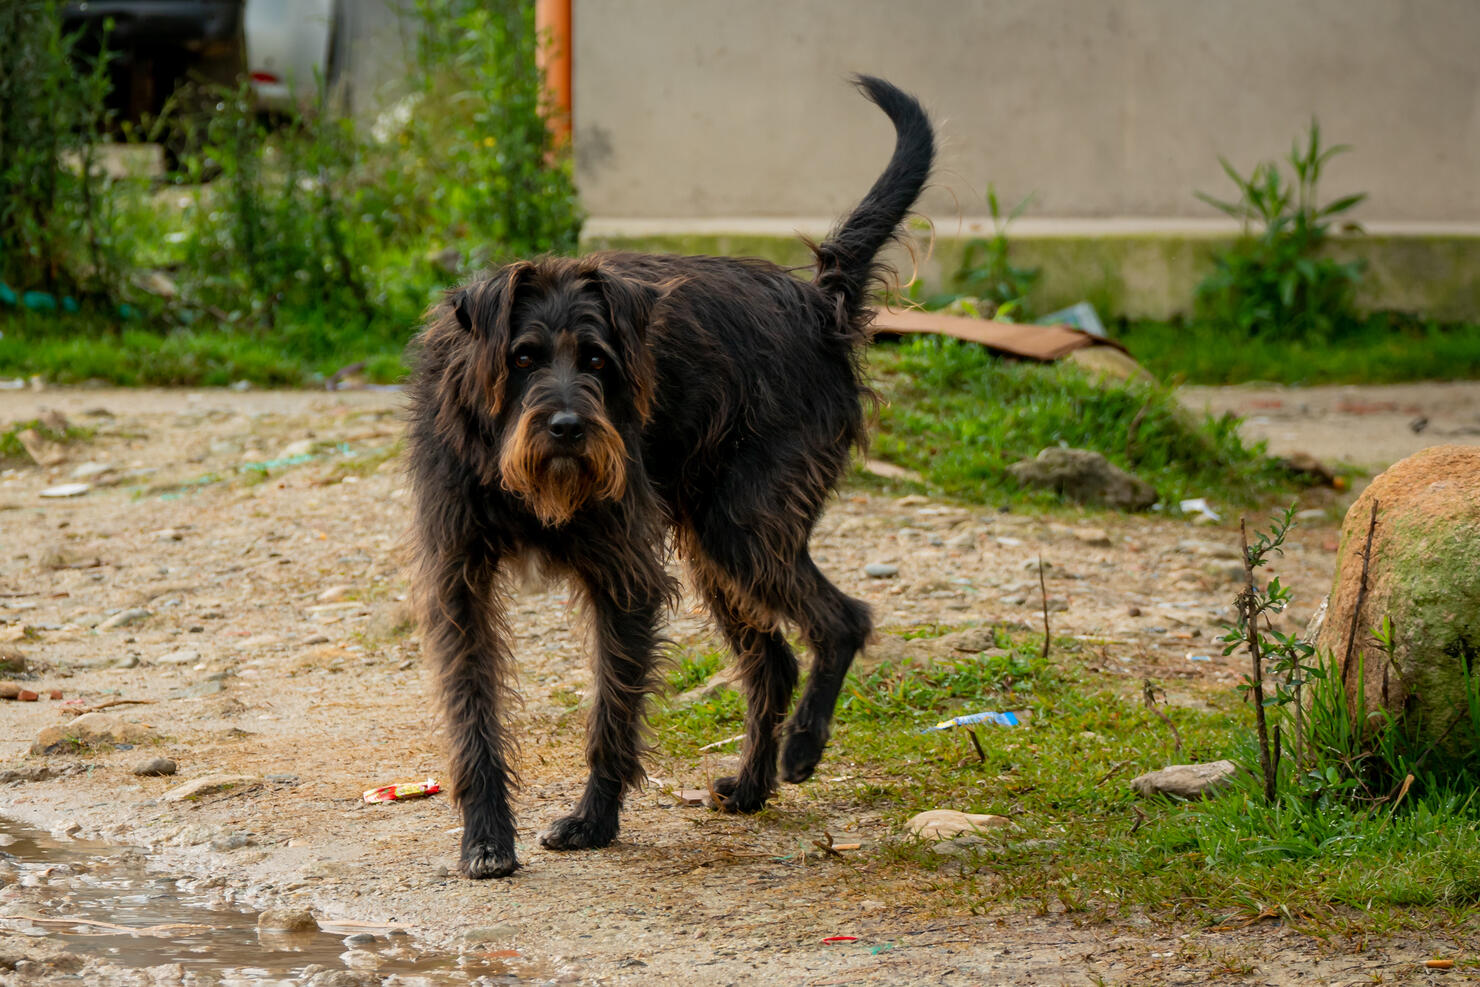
(485, 311)
(629, 306)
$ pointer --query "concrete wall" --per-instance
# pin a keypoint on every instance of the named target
(1100, 108)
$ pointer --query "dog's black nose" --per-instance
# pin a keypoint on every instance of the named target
(566, 426)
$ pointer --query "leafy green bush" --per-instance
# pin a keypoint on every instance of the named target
(478, 132)
(59, 222)
(286, 251)
(988, 284)
(1278, 282)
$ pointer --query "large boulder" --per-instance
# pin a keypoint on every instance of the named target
(1424, 575)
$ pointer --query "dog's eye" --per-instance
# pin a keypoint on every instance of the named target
(595, 361)
(523, 361)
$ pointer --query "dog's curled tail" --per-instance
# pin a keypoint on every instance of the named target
(846, 268)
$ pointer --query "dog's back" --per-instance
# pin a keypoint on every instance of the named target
(747, 352)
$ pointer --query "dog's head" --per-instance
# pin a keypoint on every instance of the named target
(552, 355)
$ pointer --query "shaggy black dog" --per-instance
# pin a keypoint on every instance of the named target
(592, 414)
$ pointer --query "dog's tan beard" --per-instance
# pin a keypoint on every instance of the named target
(554, 486)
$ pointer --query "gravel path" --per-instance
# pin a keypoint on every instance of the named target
(264, 629)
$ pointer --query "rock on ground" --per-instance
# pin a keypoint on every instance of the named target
(1424, 574)
(1084, 477)
(90, 730)
(1188, 781)
(945, 824)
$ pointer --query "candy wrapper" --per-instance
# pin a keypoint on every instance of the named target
(408, 790)
(1000, 719)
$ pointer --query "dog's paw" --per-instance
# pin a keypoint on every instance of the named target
(578, 833)
(729, 795)
(799, 756)
(484, 860)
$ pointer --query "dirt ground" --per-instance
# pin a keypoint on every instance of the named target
(269, 641)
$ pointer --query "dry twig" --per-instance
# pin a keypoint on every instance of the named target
(1351, 631)
(1148, 692)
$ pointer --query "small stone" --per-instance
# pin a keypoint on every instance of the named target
(89, 471)
(125, 618)
(870, 905)
(231, 841)
(361, 959)
(1096, 537)
(1188, 781)
(359, 939)
(67, 490)
(209, 785)
(944, 824)
(490, 933)
(303, 447)
(154, 767)
(168, 534)
(127, 661)
(287, 920)
(69, 828)
(281, 778)
(335, 593)
(881, 570)
(185, 656)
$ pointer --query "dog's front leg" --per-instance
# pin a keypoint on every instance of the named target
(625, 623)
(467, 643)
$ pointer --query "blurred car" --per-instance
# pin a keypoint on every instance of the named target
(284, 48)
(157, 45)
(290, 50)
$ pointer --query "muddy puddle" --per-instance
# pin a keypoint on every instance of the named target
(101, 902)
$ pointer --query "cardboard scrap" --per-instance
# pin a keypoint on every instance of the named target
(1031, 342)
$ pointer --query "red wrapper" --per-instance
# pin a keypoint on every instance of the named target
(406, 790)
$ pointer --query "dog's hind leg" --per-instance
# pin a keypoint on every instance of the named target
(625, 619)
(769, 567)
(835, 626)
(467, 643)
(768, 669)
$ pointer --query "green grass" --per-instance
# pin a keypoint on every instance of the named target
(960, 416)
(1079, 841)
(1385, 351)
(303, 350)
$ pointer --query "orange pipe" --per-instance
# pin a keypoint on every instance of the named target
(552, 25)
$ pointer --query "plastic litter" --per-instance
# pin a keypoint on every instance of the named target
(1081, 315)
(1199, 657)
(841, 939)
(1000, 719)
(1199, 505)
(408, 790)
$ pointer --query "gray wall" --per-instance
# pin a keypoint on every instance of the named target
(737, 108)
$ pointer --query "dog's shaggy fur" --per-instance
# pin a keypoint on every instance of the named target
(592, 414)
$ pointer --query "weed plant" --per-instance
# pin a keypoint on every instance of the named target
(1277, 282)
(987, 283)
(959, 416)
(62, 227)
